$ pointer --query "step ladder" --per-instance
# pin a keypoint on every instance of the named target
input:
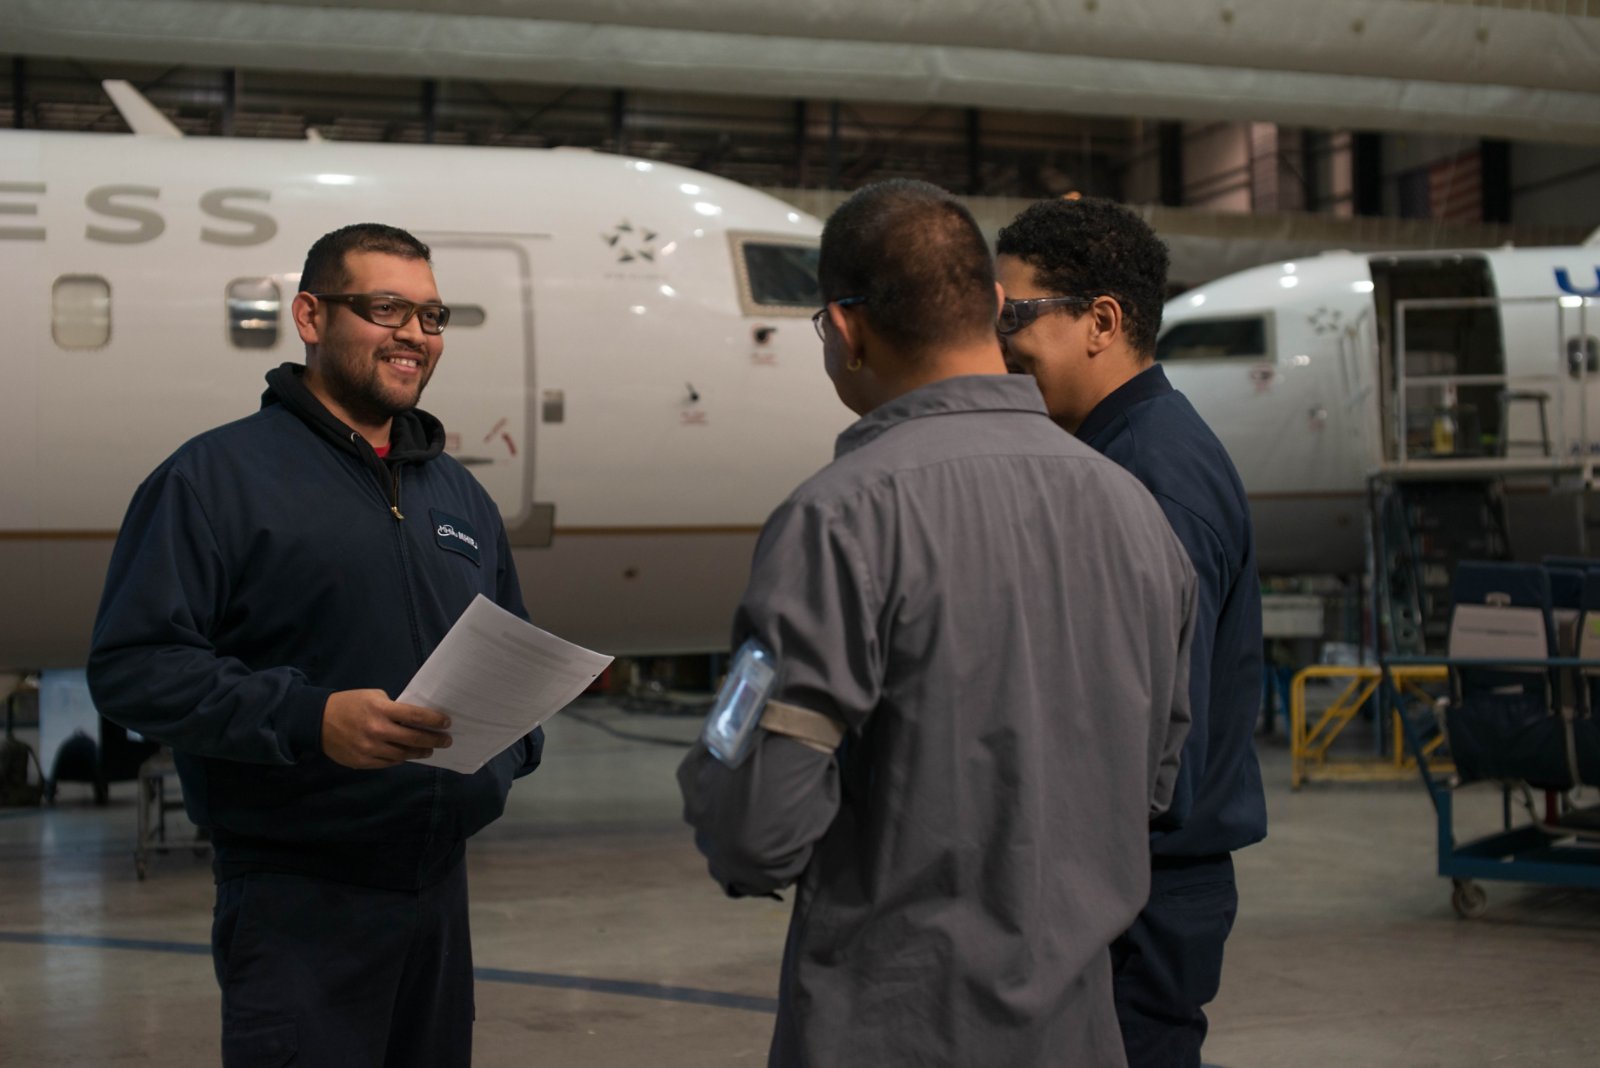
(1421, 530)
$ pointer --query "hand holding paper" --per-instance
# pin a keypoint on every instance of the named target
(497, 677)
(364, 729)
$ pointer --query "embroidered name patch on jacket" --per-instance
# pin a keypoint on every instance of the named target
(456, 535)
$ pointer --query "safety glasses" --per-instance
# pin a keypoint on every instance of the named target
(1016, 314)
(843, 302)
(381, 309)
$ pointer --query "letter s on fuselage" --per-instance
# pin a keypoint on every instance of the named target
(117, 202)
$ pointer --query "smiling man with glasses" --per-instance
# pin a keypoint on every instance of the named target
(276, 583)
(1084, 282)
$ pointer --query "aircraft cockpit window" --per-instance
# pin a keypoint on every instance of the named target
(777, 275)
(1215, 339)
(80, 311)
(253, 308)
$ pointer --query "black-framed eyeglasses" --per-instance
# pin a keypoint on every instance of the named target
(381, 309)
(843, 302)
(1016, 314)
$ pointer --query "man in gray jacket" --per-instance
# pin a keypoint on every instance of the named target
(981, 629)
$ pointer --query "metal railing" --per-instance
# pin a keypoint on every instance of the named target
(1572, 370)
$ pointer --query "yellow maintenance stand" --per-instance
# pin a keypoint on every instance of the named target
(1309, 742)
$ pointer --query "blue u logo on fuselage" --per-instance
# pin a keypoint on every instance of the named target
(1564, 280)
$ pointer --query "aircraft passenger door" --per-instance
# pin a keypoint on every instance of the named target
(1461, 334)
(484, 383)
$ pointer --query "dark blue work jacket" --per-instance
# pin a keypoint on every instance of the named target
(265, 565)
(1152, 430)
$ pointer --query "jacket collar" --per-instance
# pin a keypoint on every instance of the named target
(948, 396)
(414, 436)
(1146, 385)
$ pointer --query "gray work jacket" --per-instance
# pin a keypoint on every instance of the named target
(1000, 617)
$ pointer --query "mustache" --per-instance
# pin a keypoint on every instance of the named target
(402, 348)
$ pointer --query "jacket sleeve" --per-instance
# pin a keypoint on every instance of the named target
(507, 587)
(809, 601)
(1213, 577)
(757, 824)
(508, 595)
(152, 665)
(1174, 724)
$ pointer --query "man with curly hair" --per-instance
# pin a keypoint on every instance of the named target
(1084, 282)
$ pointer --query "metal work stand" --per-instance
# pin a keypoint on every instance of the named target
(153, 808)
(1310, 742)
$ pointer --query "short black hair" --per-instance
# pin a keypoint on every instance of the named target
(325, 271)
(917, 255)
(1094, 247)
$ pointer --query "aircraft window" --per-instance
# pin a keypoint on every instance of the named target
(466, 315)
(778, 276)
(253, 308)
(80, 315)
(1215, 339)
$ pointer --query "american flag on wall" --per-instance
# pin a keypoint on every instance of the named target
(1455, 189)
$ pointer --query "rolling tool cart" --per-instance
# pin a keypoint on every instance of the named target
(1524, 679)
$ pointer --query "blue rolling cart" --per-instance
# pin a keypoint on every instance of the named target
(1560, 849)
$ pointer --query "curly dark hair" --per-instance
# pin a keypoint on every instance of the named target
(1095, 247)
(325, 272)
(916, 253)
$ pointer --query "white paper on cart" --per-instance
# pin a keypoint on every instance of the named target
(497, 677)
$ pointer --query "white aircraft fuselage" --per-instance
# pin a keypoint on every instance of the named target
(630, 357)
(629, 365)
(1291, 364)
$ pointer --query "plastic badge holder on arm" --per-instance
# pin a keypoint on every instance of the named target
(731, 727)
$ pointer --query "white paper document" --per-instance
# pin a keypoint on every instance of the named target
(497, 677)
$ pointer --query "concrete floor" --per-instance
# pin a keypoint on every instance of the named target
(600, 940)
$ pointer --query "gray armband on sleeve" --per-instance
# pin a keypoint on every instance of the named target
(813, 729)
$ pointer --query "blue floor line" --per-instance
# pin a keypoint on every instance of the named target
(19, 813)
(629, 988)
(686, 995)
(146, 945)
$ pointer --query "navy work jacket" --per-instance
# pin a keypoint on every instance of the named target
(265, 565)
(1153, 431)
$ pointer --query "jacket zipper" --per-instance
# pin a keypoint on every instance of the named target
(434, 806)
(395, 506)
(394, 486)
(416, 642)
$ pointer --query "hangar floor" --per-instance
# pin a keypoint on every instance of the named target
(600, 941)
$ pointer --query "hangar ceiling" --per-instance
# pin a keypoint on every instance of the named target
(1516, 69)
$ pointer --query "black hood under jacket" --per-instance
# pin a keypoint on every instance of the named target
(267, 564)
(414, 437)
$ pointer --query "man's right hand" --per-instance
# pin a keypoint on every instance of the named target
(364, 729)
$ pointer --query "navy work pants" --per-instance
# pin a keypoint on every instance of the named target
(1168, 965)
(317, 973)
